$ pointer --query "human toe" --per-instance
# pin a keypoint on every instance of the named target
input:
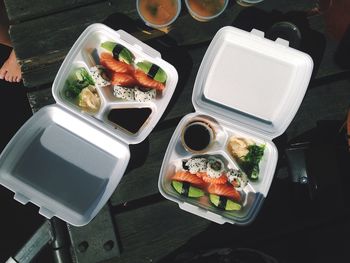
(2, 72)
(8, 77)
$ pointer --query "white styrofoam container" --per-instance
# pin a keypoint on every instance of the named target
(247, 86)
(66, 161)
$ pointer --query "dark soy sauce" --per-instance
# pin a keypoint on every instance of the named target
(197, 136)
(130, 119)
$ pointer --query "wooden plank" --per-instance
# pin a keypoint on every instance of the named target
(42, 36)
(151, 232)
(326, 102)
(19, 10)
(141, 179)
(41, 49)
(159, 232)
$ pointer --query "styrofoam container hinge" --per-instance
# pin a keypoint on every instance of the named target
(21, 198)
(257, 33)
(46, 212)
(282, 42)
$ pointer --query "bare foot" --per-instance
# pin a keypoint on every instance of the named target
(10, 70)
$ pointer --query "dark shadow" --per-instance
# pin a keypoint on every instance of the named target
(18, 222)
(138, 155)
(312, 42)
(327, 163)
(342, 54)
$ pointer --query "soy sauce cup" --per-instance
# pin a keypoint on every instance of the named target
(197, 136)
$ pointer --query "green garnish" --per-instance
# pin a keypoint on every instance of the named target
(79, 80)
(250, 162)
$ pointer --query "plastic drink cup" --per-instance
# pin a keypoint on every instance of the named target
(158, 13)
(206, 10)
(248, 2)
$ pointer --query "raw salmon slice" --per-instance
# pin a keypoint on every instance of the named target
(147, 82)
(224, 190)
(109, 62)
(220, 180)
(122, 79)
(184, 176)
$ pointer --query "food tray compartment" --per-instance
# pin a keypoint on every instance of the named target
(76, 66)
(112, 59)
(251, 194)
(118, 116)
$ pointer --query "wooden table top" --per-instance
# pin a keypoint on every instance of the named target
(149, 226)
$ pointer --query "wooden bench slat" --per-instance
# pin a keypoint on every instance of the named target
(19, 10)
(43, 51)
(152, 232)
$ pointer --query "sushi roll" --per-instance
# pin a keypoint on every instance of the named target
(124, 93)
(215, 168)
(153, 71)
(237, 178)
(197, 165)
(144, 95)
(119, 52)
(99, 76)
(224, 203)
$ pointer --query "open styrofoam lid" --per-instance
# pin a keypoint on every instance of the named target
(251, 81)
(64, 165)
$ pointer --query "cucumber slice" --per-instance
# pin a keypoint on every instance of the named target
(120, 52)
(185, 189)
(148, 68)
(224, 203)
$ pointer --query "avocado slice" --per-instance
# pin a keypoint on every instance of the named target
(186, 189)
(224, 203)
(152, 70)
(120, 52)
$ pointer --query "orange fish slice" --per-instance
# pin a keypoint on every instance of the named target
(122, 79)
(224, 190)
(109, 62)
(184, 176)
(221, 180)
(147, 82)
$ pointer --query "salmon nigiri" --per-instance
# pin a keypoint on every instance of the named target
(212, 180)
(224, 190)
(122, 79)
(184, 176)
(112, 64)
(147, 82)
